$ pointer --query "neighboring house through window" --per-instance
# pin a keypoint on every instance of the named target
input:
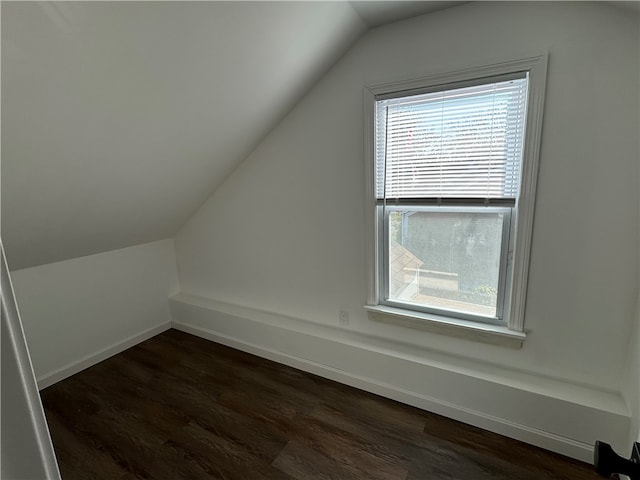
(452, 164)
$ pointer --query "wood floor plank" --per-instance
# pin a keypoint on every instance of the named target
(304, 463)
(230, 458)
(180, 407)
(176, 402)
(79, 459)
(358, 454)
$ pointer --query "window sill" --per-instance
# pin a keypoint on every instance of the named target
(492, 334)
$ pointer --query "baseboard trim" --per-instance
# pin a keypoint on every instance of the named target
(70, 369)
(550, 441)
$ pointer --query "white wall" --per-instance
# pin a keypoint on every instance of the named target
(285, 233)
(78, 312)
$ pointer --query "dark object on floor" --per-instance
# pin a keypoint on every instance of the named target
(608, 462)
(180, 407)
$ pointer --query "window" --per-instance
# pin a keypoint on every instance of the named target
(452, 161)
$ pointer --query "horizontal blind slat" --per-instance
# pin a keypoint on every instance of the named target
(462, 142)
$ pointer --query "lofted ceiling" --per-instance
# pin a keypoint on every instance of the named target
(119, 119)
(379, 12)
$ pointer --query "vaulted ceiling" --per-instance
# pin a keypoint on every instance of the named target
(119, 119)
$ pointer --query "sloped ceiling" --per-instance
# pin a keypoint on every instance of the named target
(119, 119)
(378, 12)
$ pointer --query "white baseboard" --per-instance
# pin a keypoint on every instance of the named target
(554, 423)
(61, 373)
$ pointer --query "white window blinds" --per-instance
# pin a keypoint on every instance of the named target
(459, 142)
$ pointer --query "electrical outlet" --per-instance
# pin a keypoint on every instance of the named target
(344, 318)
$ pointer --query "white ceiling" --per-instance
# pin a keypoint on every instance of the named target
(119, 119)
(379, 12)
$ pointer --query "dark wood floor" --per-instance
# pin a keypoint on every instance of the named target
(179, 407)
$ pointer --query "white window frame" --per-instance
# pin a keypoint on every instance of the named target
(513, 332)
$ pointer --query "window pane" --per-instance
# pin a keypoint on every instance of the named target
(445, 260)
